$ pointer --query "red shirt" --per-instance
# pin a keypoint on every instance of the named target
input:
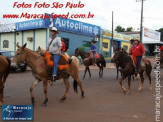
(137, 50)
(63, 47)
(161, 48)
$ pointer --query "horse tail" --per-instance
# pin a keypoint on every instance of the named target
(8, 70)
(75, 85)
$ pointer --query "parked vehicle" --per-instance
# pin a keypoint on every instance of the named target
(10, 54)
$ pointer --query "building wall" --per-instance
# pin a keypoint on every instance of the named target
(106, 41)
(125, 44)
(76, 40)
(40, 38)
(10, 37)
(26, 34)
(19, 38)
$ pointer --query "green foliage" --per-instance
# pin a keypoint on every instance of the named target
(120, 29)
(81, 48)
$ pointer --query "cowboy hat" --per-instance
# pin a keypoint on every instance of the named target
(137, 40)
(54, 29)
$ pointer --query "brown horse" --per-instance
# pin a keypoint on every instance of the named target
(39, 70)
(5, 64)
(87, 60)
(127, 69)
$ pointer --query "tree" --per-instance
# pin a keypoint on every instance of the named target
(120, 29)
(129, 29)
(161, 30)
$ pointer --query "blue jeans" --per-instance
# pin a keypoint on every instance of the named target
(138, 62)
(56, 60)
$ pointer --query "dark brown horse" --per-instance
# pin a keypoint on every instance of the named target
(128, 69)
(5, 64)
(39, 70)
(87, 60)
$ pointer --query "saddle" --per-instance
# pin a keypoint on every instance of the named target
(63, 64)
(142, 63)
(96, 56)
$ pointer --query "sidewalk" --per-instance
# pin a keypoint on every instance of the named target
(108, 65)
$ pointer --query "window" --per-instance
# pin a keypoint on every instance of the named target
(105, 45)
(86, 44)
(5, 44)
(125, 47)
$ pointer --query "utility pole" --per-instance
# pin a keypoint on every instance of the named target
(112, 35)
(141, 20)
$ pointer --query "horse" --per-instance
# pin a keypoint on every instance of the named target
(5, 65)
(128, 69)
(87, 60)
(41, 51)
(39, 70)
(117, 62)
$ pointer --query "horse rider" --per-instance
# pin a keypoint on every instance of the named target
(132, 43)
(161, 48)
(93, 51)
(63, 46)
(54, 47)
(138, 51)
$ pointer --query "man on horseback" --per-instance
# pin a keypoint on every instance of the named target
(93, 51)
(138, 52)
(54, 47)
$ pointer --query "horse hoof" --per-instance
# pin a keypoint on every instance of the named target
(140, 89)
(62, 99)
(150, 88)
(46, 100)
(82, 95)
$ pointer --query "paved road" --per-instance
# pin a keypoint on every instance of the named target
(104, 100)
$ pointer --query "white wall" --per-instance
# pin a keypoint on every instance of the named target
(40, 38)
(27, 34)
(10, 38)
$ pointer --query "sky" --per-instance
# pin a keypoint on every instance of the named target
(127, 13)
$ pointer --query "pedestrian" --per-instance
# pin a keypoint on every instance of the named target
(54, 47)
(161, 48)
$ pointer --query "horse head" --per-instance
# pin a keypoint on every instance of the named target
(76, 53)
(19, 56)
(40, 51)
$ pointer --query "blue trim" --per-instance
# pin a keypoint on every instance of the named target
(110, 47)
(116, 39)
(33, 39)
(0, 41)
(22, 38)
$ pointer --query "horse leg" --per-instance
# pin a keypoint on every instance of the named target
(1, 93)
(148, 71)
(142, 80)
(89, 72)
(31, 91)
(86, 68)
(67, 89)
(123, 88)
(129, 83)
(101, 71)
(76, 79)
(117, 71)
(45, 84)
